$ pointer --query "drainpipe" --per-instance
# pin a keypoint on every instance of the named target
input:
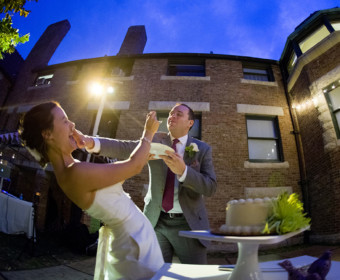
(302, 165)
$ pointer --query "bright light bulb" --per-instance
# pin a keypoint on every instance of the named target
(96, 89)
(110, 89)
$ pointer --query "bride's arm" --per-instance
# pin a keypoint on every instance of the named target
(83, 177)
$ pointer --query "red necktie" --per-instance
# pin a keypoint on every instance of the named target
(168, 196)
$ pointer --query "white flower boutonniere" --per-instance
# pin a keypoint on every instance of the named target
(192, 149)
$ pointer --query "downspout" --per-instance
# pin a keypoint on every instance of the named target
(301, 158)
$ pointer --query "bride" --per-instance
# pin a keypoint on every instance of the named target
(127, 245)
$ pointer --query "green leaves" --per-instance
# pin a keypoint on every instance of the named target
(287, 215)
(9, 36)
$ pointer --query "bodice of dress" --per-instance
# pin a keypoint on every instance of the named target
(112, 206)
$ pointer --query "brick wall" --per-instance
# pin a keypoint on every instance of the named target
(222, 127)
(322, 163)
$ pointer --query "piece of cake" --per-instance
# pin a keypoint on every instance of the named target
(247, 216)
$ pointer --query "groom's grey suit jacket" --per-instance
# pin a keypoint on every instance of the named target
(200, 180)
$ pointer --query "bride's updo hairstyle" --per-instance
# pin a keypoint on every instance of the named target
(32, 124)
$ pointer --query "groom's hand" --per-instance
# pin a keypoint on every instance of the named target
(151, 157)
(82, 140)
(175, 162)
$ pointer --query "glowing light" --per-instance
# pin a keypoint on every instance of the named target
(96, 89)
(110, 89)
(13, 156)
(298, 107)
(333, 86)
(325, 90)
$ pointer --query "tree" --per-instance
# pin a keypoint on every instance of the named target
(9, 36)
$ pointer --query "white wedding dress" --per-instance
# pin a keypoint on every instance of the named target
(127, 244)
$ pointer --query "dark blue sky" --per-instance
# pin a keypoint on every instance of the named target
(234, 27)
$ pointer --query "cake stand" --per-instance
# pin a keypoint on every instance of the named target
(247, 266)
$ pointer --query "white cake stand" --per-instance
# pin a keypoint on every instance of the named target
(247, 266)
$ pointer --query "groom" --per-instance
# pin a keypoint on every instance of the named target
(178, 184)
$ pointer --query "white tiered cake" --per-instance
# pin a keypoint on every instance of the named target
(247, 216)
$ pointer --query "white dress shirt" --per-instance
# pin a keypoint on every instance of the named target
(180, 148)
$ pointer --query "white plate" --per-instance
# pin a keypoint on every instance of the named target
(159, 149)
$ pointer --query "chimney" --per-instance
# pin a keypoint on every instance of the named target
(134, 41)
(43, 50)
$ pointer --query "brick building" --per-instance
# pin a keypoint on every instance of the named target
(270, 123)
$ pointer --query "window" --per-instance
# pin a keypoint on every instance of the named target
(336, 25)
(189, 67)
(313, 39)
(195, 130)
(264, 142)
(292, 62)
(107, 128)
(333, 98)
(258, 73)
(108, 124)
(43, 80)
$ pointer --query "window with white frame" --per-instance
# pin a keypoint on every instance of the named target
(264, 142)
(336, 25)
(313, 39)
(195, 130)
(43, 80)
(332, 94)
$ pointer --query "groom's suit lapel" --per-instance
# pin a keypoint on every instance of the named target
(186, 157)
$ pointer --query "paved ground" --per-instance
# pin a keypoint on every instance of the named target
(83, 270)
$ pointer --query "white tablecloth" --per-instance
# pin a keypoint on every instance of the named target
(171, 271)
(16, 216)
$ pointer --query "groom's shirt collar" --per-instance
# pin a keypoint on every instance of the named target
(182, 139)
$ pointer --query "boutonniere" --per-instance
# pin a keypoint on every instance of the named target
(192, 149)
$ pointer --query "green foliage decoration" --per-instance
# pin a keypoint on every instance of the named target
(287, 215)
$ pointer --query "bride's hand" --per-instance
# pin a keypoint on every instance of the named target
(151, 123)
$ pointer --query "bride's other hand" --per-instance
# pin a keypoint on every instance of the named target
(151, 123)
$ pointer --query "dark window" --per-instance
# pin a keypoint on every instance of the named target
(186, 70)
(332, 94)
(195, 130)
(258, 73)
(186, 67)
(107, 128)
(264, 141)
